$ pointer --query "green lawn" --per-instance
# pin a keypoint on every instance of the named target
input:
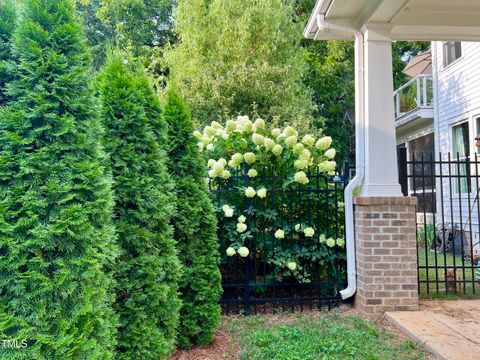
(306, 337)
(430, 290)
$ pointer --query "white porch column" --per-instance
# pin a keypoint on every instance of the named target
(381, 173)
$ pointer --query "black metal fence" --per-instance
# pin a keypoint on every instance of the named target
(448, 232)
(293, 269)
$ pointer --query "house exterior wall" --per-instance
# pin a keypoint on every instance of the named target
(458, 91)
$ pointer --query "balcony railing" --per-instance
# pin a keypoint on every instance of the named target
(415, 94)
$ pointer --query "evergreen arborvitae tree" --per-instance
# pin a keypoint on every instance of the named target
(57, 237)
(148, 270)
(7, 25)
(195, 229)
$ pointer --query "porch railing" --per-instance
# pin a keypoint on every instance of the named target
(417, 93)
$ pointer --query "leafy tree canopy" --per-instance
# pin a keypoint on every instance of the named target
(240, 57)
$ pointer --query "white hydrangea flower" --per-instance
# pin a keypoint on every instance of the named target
(309, 231)
(220, 133)
(298, 148)
(323, 239)
(289, 131)
(218, 167)
(211, 163)
(330, 153)
(262, 193)
(327, 167)
(237, 158)
(323, 143)
(233, 164)
(200, 146)
(268, 143)
(225, 174)
(231, 126)
(277, 150)
(276, 132)
(301, 178)
(298, 227)
(197, 134)
(258, 139)
(252, 173)
(292, 265)
(228, 213)
(210, 147)
(331, 242)
(205, 140)
(209, 131)
(308, 140)
(291, 141)
(280, 234)
(259, 124)
(243, 251)
(225, 207)
(222, 161)
(230, 251)
(242, 219)
(249, 157)
(341, 242)
(246, 125)
(212, 173)
(216, 125)
(250, 192)
(305, 154)
(300, 164)
(241, 227)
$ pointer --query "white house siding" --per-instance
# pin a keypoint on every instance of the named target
(458, 100)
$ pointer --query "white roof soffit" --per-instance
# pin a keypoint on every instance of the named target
(409, 19)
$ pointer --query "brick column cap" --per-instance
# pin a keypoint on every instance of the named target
(385, 200)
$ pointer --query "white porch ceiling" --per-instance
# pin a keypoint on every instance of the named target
(409, 19)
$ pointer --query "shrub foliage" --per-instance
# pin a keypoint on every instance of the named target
(7, 25)
(148, 269)
(56, 205)
(195, 229)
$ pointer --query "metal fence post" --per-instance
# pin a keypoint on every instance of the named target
(402, 170)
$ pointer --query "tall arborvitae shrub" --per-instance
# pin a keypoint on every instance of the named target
(148, 270)
(7, 25)
(195, 229)
(56, 203)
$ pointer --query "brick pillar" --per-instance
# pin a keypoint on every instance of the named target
(386, 254)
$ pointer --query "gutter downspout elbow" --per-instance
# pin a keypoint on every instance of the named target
(351, 288)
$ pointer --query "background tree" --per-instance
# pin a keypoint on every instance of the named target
(56, 234)
(195, 229)
(148, 270)
(142, 26)
(240, 57)
(7, 26)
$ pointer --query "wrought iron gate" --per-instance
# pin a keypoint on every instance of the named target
(448, 228)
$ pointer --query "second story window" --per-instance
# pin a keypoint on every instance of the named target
(452, 50)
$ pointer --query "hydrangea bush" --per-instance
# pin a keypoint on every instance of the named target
(270, 184)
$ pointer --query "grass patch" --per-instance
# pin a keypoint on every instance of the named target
(471, 288)
(333, 336)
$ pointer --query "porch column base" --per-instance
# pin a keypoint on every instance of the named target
(386, 254)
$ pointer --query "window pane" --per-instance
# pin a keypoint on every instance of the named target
(461, 152)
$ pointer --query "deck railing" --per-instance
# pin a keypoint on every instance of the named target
(417, 93)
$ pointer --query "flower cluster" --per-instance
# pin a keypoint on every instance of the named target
(243, 154)
(242, 141)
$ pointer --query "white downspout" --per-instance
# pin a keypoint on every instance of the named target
(359, 152)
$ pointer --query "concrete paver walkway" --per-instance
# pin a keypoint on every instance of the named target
(448, 329)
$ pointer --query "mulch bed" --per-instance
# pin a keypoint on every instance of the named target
(223, 347)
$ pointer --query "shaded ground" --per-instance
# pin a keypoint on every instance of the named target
(338, 334)
(448, 329)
